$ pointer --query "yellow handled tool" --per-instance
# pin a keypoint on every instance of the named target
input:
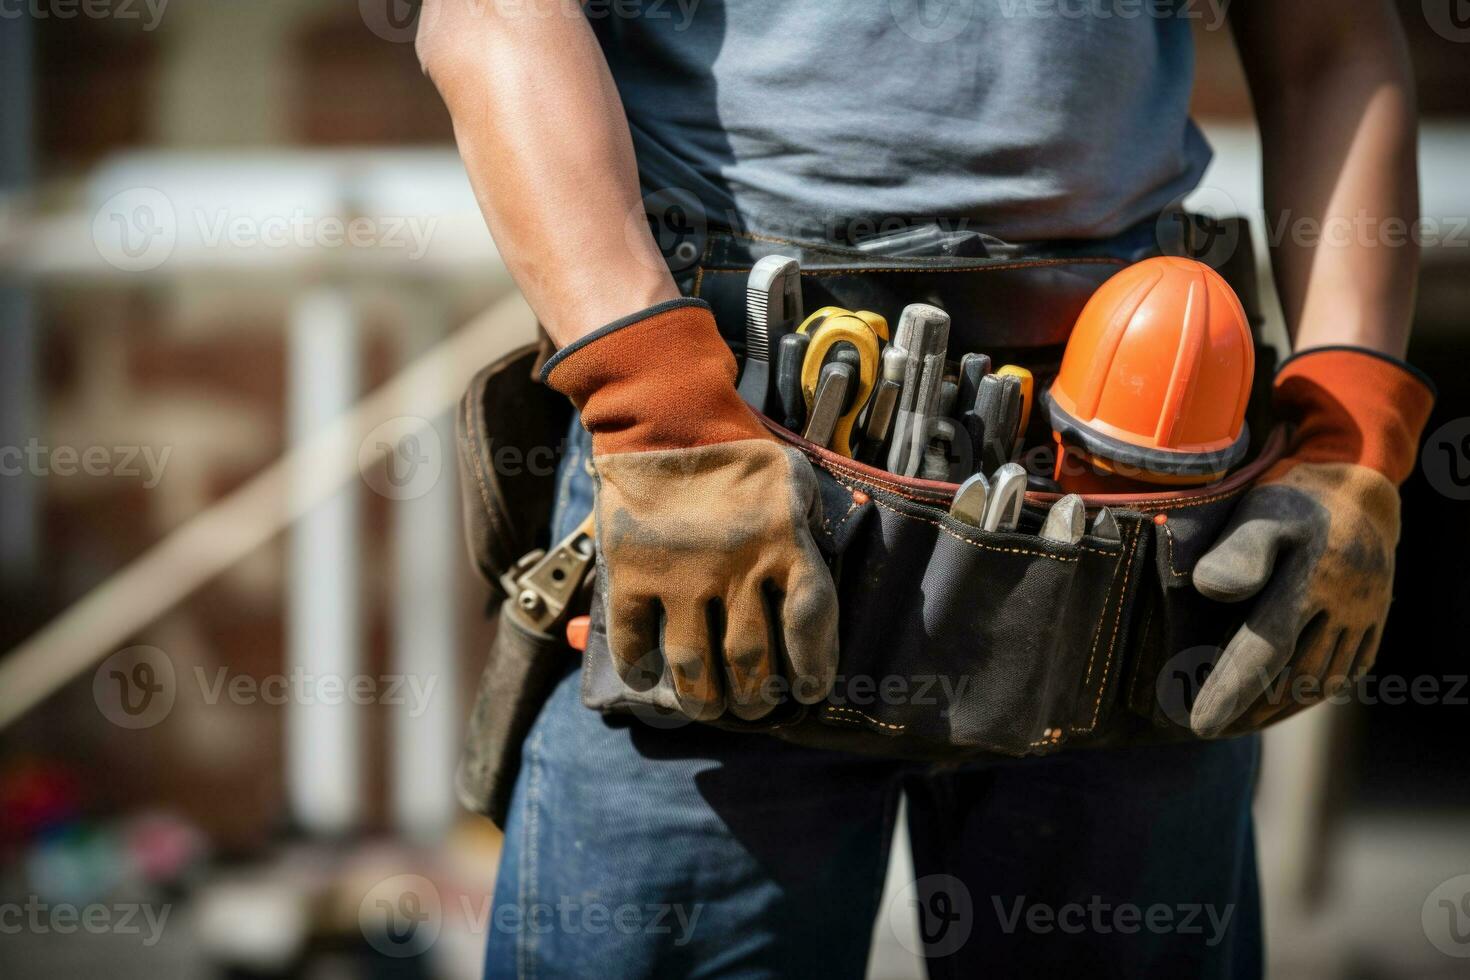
(1028, 384)
(839, 327)
(877, 321)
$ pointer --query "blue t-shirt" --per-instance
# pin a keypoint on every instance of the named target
(830, 119)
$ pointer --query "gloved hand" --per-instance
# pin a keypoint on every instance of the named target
(1314, 540)
(703, 520)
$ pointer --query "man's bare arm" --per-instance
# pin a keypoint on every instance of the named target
(543, 135)
(1334, 98)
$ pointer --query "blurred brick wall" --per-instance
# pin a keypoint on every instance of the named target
(200, 370)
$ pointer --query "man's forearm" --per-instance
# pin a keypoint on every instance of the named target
(543, 135)
(1334, 100)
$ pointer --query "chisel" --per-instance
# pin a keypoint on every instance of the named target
(922, 336)
(1066, 521)
(885, 400)
(1007, 494)
(973, 367)
(993, 419)
(970, 499)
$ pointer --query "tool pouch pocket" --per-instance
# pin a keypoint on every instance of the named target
(521, 670)
(509, 430)
(959, 643)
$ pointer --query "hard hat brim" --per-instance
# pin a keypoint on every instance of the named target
(1145, 459)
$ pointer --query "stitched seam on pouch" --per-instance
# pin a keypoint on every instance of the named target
(1097, 633)
(1117, 622)
(472, 426)
(1198, 502)
(844, 475)
(988, 547)
(1053, 739)
(829, 710)
(875, 482)
(1172, 569)
(898, 492)
(698, 281)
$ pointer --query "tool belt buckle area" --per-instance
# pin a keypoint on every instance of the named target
(543, 584)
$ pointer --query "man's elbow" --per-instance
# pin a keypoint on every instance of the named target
(433, 43)
(452, 35)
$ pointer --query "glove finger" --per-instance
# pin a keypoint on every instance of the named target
(1242, 561)
(808, 617)
(690, 659)
(806, 495)
(1255, 656)
(1367, 654)
(1339, 672)
(632, 636)
(1311, 676)
(749, 663)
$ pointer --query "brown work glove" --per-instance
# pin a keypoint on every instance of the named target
(1314, 539)
(703, 520)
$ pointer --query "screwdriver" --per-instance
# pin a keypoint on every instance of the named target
(885, 400)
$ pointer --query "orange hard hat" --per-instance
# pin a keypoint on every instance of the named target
(1156, 376)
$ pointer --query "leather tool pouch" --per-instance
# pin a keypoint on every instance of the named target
(509, 431)
(956, 642)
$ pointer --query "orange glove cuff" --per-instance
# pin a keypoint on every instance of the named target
(1354, 405)
(661, 378)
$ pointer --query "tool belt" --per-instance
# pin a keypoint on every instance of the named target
(955, 643)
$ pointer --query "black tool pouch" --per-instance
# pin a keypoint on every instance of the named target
(509, 431)
(955, 642)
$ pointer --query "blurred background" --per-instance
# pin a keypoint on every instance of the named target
(242, 283)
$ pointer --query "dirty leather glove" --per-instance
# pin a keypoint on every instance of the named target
(704, 520)
(1313, 542)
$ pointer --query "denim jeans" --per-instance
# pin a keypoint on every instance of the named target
(636, 851)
